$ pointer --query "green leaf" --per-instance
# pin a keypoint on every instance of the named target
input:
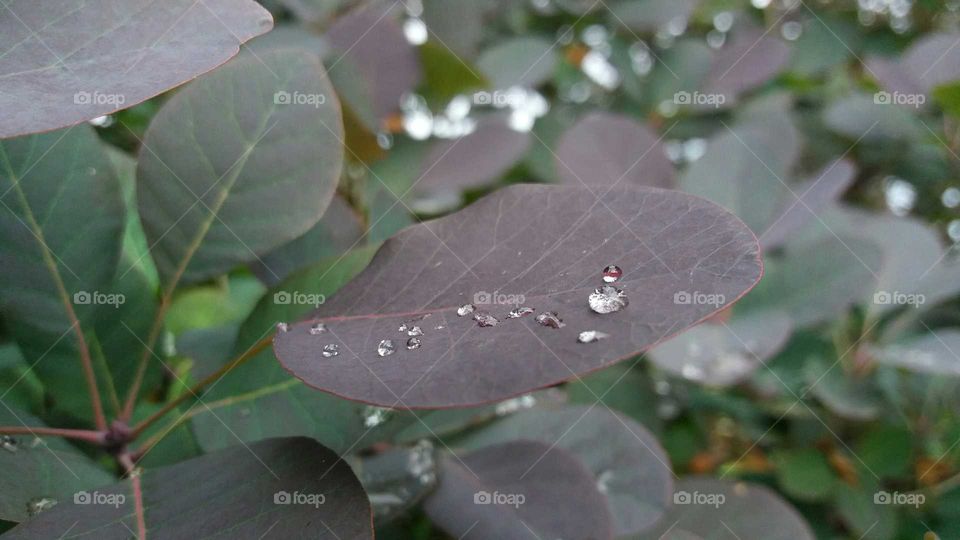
(887, 451)
(238, 163)
(804, 474)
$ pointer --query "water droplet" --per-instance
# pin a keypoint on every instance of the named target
(402, 328)
(691, 372)
(550, 319)
(374, 416)
(485, 319)
(386, 347)
(440, 327)
(520, 312)
(318, 328)
(612, 273)
(465, 310)
(607, 299)
(282, 327)
(413, 343)
(591, 336)
(330, 350)
(8, 443)
(513, 405)
(39, 504)
(603, 481)
(415, 331)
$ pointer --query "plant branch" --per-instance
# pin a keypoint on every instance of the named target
(155, 328)
(194, 391)
(95, 437)
(134, 475)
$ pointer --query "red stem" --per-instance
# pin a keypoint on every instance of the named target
(94, 437)
(127, 463)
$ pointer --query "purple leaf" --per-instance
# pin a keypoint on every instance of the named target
(752, 57)
(544, 247)
(66, 61)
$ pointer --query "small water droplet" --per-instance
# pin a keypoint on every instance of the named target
(374, 416)
(330, 350)
(282, 327)
(612, 273)
(318, 328)
(485, 320)
(607, 299)
(386, 347)
(440, 327)
(8, 443)
(413, 343)
(402, 328)
(603, 481)
(39, 504)
(415, 331)
(591, 336)
(691, 372)
(465, 310)
(520, 312)
(550, 319)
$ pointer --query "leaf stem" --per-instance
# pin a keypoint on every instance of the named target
(95, 437)
(155, 328)
(127, 462)
(194, 391)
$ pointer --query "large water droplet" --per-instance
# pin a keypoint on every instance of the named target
(607, 299)
(386, 347)
(318, 328)
(550, 319)
(39, 504)
(520, 312)
(692, 372)
(591, 336)
(330, 350)
(485, 320)
(8, 443)
(612, 273)
(415, 331)
(282, 327)
(413, 343)
(465, 310)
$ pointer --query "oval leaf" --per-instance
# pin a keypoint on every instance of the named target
(110, 54)
(546, 244)
(261, 136)
(510, 490)
(291, 488)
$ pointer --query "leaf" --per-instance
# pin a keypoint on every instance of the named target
(930, 61)
(707, 507)
(547, 243)
(315, 11)
(804, 474)
(227, 148)
(606, 149)
(887, 451)
(513, 489)
(858, 116)
(752, 57)
(457, 24)
(846, 397)
(237, 492)
(630, 468)
(522, 61)
(723, 354)
(102, 56)
(371, 62)
(62, 221)
(933, 353)
(648, 16)
(41, 468)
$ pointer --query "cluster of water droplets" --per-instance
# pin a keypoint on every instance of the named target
(8, 443)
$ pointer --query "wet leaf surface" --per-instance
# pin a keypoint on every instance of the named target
(547, 243)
